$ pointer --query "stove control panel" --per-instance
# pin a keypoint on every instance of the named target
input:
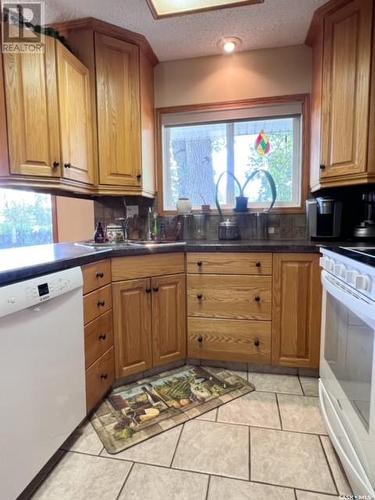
(356, 274)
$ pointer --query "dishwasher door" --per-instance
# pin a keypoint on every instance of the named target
(42, 376)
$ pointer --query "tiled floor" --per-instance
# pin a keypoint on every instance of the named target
(268, 444)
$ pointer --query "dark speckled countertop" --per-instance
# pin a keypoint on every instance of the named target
(18, 264)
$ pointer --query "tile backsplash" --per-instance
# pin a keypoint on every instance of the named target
(252, 225)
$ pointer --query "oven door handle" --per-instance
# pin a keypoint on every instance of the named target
(356, 305)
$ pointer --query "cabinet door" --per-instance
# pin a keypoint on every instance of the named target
(346, 84)
(118, 108)
(296, 310)
(132, 326)
(75, 117)
(168, 318)
(32, 112)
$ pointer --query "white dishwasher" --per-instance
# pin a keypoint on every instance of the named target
(42, 373)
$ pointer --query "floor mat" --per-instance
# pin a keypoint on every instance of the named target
(135, 412)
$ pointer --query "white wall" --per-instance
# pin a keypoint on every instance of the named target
(258, 73)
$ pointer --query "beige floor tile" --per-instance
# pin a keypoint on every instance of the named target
(256, 408)
(210, 416)
(338, 474)
(289, 459)
(301, 413)
(310, 386)
(214, 448)
(232, 489)
(79, 477)
(288, 384)
(156, 483)
(157, 450)
(84, 440)
(309, 495)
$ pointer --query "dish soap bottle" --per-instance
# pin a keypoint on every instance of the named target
(99, 236)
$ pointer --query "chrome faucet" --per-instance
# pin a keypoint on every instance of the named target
(124, 220)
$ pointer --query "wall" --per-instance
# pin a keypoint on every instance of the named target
(258, 73)
(75, 219)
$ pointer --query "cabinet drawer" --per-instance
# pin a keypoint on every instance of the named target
(98, 337)
(97, 303)
(229, 340)
(96, 275)
(145, 266)
(229, 263)
(99, 378)
(232, 297)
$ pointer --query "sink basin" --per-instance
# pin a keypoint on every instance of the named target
(129, 243)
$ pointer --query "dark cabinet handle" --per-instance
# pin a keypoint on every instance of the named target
(55, 164)
(200, 339)
(139, 177)
(322, 167)
(101, 303)
(148, 290)
(104, 376)
(67, 165)
(100, 275)
(199, 296)
(199, 263)
(102, 337)
(257, 298)
(256, 342)
(156, 289)
(258, 264)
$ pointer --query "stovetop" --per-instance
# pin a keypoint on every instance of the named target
(369, 251)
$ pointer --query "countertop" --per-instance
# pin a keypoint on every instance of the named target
(17, 264)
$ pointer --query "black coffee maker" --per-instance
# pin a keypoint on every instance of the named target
(366, 228)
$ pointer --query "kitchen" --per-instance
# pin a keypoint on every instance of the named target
(187, 235)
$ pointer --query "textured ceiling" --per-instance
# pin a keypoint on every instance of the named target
(274, 23)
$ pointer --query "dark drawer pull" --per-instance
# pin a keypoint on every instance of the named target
(100, 275)
(257, 298)
(199, 263)
(67, 165)
(257, 342)
(101, 303)
(258, 264)
(322, 167)
(156, 289)
(148, 290)
(200, 339)
(104, 376)
(102, 337)
(200, 296)
(55, 164)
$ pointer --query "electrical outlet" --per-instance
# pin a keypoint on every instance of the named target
(132, 210)
(271, 230)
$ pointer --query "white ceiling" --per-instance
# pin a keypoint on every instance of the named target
(274, 23)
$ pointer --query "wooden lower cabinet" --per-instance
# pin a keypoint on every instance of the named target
(149, 323)
(168, 319)
(296, 310)
(229, 340)
(99, 379)
(132, 326)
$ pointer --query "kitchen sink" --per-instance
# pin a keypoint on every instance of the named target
(129, 243)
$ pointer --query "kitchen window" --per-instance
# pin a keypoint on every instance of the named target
(199, 145)
(26, 218)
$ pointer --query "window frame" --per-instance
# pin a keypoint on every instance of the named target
(303, 99)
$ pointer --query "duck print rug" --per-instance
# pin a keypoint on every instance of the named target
(135, 412)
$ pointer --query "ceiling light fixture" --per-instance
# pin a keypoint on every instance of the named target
(229, 44)
(170, 8)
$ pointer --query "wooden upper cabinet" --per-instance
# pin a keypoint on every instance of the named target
(118, 111)
(132, 326)
(346, 85)
(32, 112)
(75, 117)
(296, 310)
(168, 318)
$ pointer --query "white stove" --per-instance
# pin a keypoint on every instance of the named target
(347, 360)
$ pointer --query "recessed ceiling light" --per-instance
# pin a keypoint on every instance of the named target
(168, 8)
(229, 44)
